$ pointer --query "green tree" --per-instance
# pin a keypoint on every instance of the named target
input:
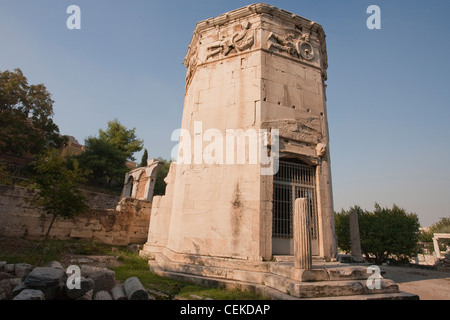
(104, 162)
(144, 159)
(26, 112)
(105, 156)
(122, 138)
(442, 226)
(160, 185)
(5, 175)
(384, 232)
(57, 192)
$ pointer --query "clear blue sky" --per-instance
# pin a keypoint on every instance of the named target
(388, 90)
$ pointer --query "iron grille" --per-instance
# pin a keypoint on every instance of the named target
(293, 181)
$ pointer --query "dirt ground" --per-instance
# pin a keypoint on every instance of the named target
(428, 284)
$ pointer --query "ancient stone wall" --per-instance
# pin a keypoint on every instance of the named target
(127, 223)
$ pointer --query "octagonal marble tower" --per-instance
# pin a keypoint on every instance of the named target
(257, 69)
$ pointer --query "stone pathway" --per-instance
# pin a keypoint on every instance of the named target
(427, 284)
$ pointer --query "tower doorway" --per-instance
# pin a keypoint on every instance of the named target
(294, 179)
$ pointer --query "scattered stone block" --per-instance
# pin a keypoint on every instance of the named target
(2, 266)
(23, 269)
(134, 289)
(87, 296)
(15, 282)
(104, 279)
(30, 294)
(102, 295)
(5, 275)
(54, 264)
(49, 280)
(118, 293)
(86, 284)
(10, 267)
(19, 288)
(6, 288)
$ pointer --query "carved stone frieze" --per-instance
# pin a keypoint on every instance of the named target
(296, 46)
(191, 63)
(307, 130)
(239, 41)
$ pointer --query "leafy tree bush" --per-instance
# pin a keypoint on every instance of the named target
(144, 159)
(160, 185)
(56, 186)
(122, 139)
(26, 112)
(384, 232)
(105, 156)
(342, 229)
(5, 175)
(442, 226)
(103, 162)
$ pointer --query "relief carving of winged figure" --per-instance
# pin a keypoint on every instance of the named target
(240, 41)
(296, 47)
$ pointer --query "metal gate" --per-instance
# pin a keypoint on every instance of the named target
(293, 180)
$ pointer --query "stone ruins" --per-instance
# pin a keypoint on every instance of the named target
(140, 182)
(255, 70)
(110, 219)
(22, 281)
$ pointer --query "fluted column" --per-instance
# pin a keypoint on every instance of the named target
(302, 238)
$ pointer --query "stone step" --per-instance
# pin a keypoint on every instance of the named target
(326, 287)
(220, 283)
(290, 258)
(208, 271)
(332, 273)
(266, 290)
(320, 272)
(376, 296)
(223, 262)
